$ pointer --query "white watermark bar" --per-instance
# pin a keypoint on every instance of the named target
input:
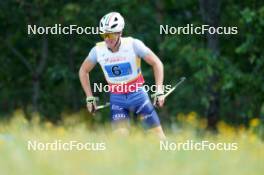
(100, 87)
(191, 29)
(59, 145)
(190, 145)
(58, 29)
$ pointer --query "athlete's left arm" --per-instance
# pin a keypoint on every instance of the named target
(157, 66)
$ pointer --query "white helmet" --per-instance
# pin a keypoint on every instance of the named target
(111, 23)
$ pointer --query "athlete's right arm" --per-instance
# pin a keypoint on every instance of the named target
(87, 65)
(85, 68)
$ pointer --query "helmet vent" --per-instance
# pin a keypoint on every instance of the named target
(113, 26)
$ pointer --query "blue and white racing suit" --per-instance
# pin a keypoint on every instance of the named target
(122, 70)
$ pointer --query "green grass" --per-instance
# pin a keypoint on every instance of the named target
(137, 154)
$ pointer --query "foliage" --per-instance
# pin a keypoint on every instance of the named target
(239, 67)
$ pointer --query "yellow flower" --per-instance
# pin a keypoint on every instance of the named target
(225, 129)
(180, 117)
(60, 131)
(241, 129)
(48, 125)
(203, 123)
(1, 142)
(254, 122)
(191, 119)
(19, 113)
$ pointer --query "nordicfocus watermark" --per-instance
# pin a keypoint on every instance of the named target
(191, 145)
(100, 87)
(59, 145)
(191, 29)
(58, 29)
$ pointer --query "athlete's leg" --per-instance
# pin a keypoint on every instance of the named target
(151, 121)
(119, 115)
(121, 127)
(148, 115)
(157, 131)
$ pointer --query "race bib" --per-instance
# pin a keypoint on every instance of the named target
(118, 70)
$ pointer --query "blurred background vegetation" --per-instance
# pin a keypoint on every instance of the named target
(225, 73)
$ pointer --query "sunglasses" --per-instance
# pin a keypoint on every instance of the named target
(109, 35)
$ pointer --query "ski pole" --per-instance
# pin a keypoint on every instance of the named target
(172, 89)
(152, 96)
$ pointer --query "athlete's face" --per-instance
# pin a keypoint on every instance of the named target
(111, 39)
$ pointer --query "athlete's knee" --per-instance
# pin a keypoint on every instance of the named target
(158, 132)
(146, 108)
